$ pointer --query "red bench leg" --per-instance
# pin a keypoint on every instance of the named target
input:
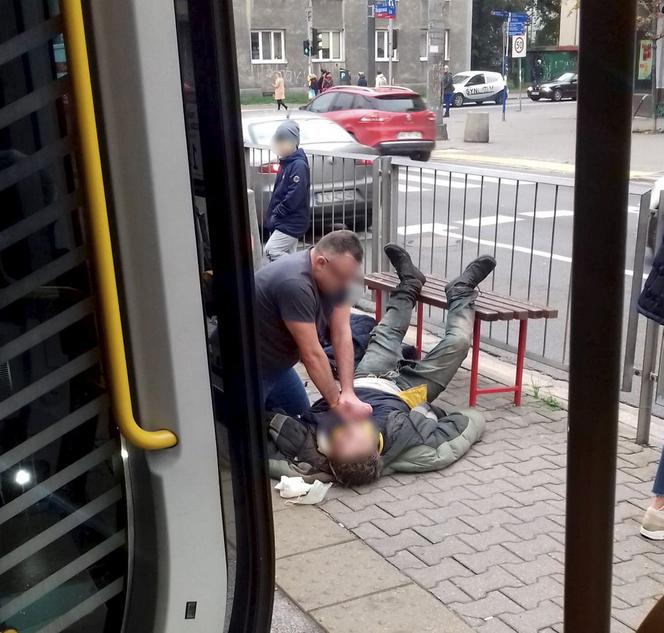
(379, 305)
(520, 356)
(420, 325)
(474, 367)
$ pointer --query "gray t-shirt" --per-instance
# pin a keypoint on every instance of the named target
(286, 291)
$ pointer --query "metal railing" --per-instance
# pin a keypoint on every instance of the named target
(446, 214)
(650, 234)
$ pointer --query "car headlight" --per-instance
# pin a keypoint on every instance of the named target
(547, 89)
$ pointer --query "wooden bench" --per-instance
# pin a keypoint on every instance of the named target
(488, 307)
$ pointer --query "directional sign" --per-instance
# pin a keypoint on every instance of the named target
(386, 9)
(500, 14)
(518, 46)
(518, 28)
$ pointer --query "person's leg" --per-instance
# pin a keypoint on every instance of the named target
(652, 525)
(278, 245)
(448, 103)
(286, 393)
(384, 349)
(438, 367)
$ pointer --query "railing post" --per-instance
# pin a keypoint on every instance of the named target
(637, 281)
(647, 382)
(386, 209)
(377, 213)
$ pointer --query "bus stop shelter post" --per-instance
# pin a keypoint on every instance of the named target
(606, 56)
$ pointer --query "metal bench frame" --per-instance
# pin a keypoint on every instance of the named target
(488, 307)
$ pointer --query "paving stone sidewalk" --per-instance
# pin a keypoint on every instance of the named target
(485, 536)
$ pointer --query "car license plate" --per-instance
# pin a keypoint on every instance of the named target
(335, 196)
(535, 93)
(408, 135)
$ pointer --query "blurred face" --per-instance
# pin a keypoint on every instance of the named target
(334, 273)
(353, 441)
(283, 148)
(446, 68)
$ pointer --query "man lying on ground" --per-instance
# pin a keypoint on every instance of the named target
(405, 432)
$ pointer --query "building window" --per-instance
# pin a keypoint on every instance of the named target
(446, 45)
(330, 47)
(424, 45)
(267, 46)
(382, 44)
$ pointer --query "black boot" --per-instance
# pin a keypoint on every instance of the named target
(475, 273)
(403, 264)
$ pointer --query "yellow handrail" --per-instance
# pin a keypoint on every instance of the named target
(100, 237)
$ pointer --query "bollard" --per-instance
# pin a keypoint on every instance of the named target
(477, 127)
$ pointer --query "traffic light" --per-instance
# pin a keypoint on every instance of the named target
(315, 42)
(306, 48)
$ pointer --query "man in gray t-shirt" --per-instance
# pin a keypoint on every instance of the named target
(298, 298)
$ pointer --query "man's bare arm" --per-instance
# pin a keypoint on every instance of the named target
(341, 338)
(315, 360)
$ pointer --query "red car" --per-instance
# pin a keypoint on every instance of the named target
(391, 119)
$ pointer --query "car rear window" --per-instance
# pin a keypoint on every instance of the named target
(312, 130)
(400, 103)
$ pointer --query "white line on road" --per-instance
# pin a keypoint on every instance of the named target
(441, 229)
(490, 220)
(546, 215)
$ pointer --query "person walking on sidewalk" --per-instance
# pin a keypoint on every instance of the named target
(279, 90)
(446, 89)
(361, 79)
(381, 80)
(297, 299)
(288, 214)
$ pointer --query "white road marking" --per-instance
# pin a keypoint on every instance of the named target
(414, 229)
(490, 220)
(547, 215)
(441, 229)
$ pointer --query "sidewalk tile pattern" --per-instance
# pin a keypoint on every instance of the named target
(486, 536)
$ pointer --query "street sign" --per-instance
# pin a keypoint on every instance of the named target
(518, 46)
(516, 28)
(500, 14)
(385, 9)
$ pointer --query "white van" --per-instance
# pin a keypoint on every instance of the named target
(478, 86)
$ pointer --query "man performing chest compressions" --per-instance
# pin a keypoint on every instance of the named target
(404, 432)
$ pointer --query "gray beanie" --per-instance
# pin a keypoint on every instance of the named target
(288, 131)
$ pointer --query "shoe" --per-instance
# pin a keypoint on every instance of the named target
(475, 273)
(652, 526)
(446, 116)
(403, 264)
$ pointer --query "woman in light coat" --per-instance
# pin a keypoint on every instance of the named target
(279, 90)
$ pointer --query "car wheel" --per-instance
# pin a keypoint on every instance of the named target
(423, 156)
(535, 98)
(557, 94)
(457, 100)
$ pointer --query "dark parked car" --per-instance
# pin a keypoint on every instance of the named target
(562, 88)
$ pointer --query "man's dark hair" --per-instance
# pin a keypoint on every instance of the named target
(340, 243)
(357, 473)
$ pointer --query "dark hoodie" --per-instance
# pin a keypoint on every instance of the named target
(289, 206)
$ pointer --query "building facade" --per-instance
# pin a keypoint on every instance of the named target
(270, 34)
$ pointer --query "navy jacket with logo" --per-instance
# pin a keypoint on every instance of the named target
(288, 211)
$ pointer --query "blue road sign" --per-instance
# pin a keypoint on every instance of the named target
(518, 17)
(386, 9)
(500, 14)
(518, 28)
